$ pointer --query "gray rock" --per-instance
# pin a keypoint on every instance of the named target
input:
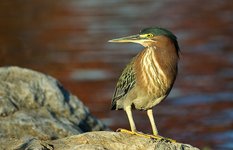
(33, 104)
(103, 140)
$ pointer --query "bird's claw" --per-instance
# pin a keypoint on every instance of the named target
(156, 137)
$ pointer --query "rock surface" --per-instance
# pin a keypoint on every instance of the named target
(36, 105)
(36, 112)
(103, 140)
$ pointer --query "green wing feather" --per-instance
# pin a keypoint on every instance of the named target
(125, 83)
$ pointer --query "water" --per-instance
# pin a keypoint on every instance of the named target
(68, 40)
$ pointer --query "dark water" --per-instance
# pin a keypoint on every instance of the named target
(68, 40)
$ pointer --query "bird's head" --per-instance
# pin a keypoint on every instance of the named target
(149, 37)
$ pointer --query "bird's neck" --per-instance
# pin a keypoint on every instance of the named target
(165, 61)
(150, 64)
(155, 67)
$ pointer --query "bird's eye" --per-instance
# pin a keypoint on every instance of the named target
(149, 35)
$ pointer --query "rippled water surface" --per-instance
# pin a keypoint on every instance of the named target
(68, 40)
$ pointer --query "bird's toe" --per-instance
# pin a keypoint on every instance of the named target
(161, 138)
(155, 137)
(126, 131)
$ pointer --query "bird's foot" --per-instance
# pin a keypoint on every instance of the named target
(161, 138)
(133, 132)
(156, 137)
(125, 131)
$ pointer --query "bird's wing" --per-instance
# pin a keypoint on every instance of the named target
(125, 83)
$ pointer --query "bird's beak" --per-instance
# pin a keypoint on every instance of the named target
(132, 38)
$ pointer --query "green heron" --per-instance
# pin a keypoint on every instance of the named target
(149, 77)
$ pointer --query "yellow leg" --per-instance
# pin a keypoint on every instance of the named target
(152, 122)
(131, 122)
(154, 128)
(134, 130)
(130, 117)
(133, 127)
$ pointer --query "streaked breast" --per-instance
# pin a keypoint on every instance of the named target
(149, 74)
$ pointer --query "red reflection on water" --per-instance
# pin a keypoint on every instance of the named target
(60, 37)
